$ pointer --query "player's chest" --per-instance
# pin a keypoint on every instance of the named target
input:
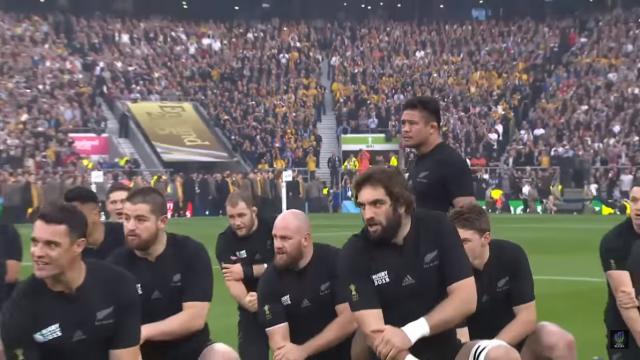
(425, 178)
(494, 287)
(402, 272)
(251, 252)
(65, 323)
(305, 295)
(159, 283)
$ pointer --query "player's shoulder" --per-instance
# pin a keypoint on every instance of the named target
(356, 242)
(105, 273)
(427, 218)
(114, 227)
(325, 251)
(120, 256)
(184, 243)
(619, 233)
(226, 234)
(507, 250)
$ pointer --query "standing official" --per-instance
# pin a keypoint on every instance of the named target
(70, 308)
(102, 238)
(620, 258)
(506, 307)
(409, 280)
(440, 178)
(243, 250)
(174, 280)
(303, 307)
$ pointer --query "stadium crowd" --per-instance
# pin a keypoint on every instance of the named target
(513, 94)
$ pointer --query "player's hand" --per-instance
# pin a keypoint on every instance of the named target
(290, 352)
(391, 343)
(232, 272)
(626, 298)
(251, 301)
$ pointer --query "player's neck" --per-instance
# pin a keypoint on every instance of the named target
(636, 227)
(428, 146)
(404, 230)
(156, 249)
(96, 236)
(305, 259)
(480, 262)
(69, 280)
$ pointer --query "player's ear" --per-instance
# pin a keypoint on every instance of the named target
(486, 238)
(79, 245)
(164, 220)
(254, 210)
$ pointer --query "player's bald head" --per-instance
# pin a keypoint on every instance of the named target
(295, 220)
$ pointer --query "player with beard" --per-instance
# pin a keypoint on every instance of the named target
(506, 307)
(102, 238)
(70, 308)
(440, 177)
(174, 280)
(116, 197)
(409, 279)
(243, 250)
(620, 257)
(301, 304)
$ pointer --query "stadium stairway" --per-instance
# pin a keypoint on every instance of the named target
(123, 147)
(327, 128)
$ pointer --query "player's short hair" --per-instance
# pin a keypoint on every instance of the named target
(426, 104)
(237, 197)
(471, 217)
(117, 186)
(392, 181)
(149, 196)
(67, 215)
(82, 195)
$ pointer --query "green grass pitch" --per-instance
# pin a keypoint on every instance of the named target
(563, 251)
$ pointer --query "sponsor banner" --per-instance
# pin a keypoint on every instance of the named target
(380, 142)
(178, 132)
(90, 144)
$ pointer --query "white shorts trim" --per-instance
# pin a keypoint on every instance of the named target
(480, 350)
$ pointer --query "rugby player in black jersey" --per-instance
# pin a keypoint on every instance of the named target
(116, 196)
(243, 250)
(620, 258)
(70, 308)
(102, 238)
(506, 308)
(174, 280)
(440, 178)
(303, 308)
(409, 280)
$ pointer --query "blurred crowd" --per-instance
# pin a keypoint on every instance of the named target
(561, 93)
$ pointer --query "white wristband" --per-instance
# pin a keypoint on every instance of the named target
(417, 329)
(411, 357)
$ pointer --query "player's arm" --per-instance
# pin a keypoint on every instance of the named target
(459, 304)
(13, 256)
(191, 319)
(126, 338)
(462, 333)
(271, 312)
(522, 297)
(521, 326)
(334, 333)
(15, 320)
(460, 183)
(197, 291)
(132, 353)
(620, 280)
(240, 294)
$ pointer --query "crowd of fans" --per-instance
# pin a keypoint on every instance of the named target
(524, 94)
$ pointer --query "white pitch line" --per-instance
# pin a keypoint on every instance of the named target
(542, 277)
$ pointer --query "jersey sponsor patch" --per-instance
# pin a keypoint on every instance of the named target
(408, 280)
(47, 334)
(354, 293)
(305, 303)
(286, 300)
(380, 278)
(139, 288)
(105, 316)
(241, 254)
(78, 335)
